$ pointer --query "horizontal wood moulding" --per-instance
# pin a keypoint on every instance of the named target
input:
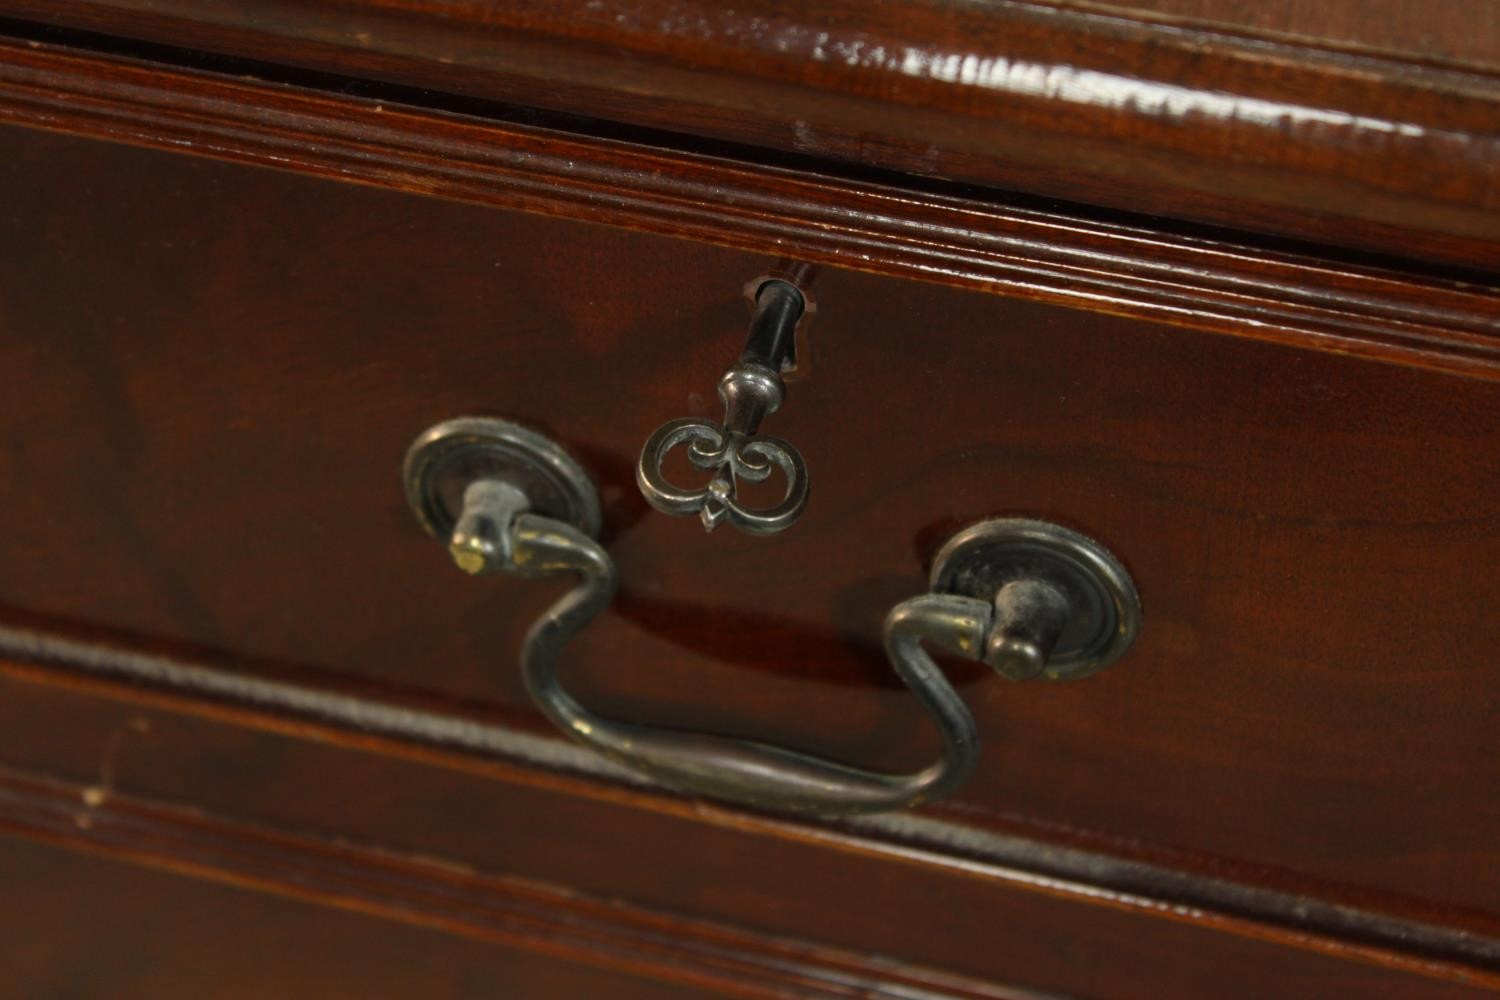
(987, 245)
(635, 944)
(1389, 151)
(1453, 33)
(1251, 903)
(428, 893)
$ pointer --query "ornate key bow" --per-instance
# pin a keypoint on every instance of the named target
(751, 390)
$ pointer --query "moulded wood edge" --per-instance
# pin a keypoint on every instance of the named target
(987, 246)
(430, 893)
(1397, 935)
(1379, 150)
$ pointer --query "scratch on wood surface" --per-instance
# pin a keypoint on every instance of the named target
(94, 796)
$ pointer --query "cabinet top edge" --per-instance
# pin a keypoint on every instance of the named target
(1315, 138)
(985, 244)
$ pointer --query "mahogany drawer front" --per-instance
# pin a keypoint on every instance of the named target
(720, 909)
(98, 928)
(214, 371)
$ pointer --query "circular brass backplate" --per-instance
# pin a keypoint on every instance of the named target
(1104, 606)
(446, 458)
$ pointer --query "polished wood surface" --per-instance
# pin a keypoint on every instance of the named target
(556, 922)
(80, 927)
(1453, 32)
(984, 243)
(718, 906)
(228, 652)
(1378, 150)
(1252, 901)
(1291, 706)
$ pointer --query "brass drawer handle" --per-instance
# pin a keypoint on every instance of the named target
(1029, 598)
(751, 390)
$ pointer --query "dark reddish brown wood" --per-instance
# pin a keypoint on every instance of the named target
(429, 893)
(1454, 32)
(1364, 150)
(1278, 907)
(93, 741)
(86, 927)
(681, 879)
(213, 371)
(965, 242)
(1289, 705)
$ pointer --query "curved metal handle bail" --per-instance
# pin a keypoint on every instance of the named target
(745, 771)
(750, 390)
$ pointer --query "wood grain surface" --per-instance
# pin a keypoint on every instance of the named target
(226, 651)
(607, 884)
(96, 928)
(1218, 285)
(1454, 32)
(216, 369)
(48, 727)
(1292, 134)
(550, 921)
